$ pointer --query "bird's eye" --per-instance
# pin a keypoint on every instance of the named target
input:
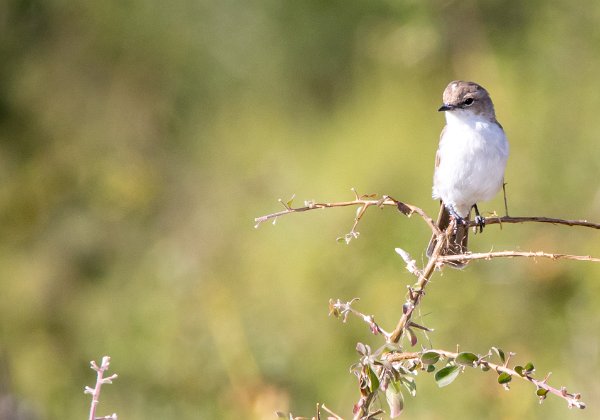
(469, 101)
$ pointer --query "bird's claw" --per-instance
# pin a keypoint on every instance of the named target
(479, 223)
(459, 220)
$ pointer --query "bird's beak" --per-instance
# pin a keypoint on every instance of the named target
(446, 107)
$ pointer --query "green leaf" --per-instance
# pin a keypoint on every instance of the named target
(373, 379)
(447, 375)
(504, 378)
(541, 392)
(500, 353)
(395, 399)
(520, 370)
(430, 358)
(466, 359)
(529, 367)
(430, 368)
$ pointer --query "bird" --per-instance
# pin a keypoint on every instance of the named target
(469, 164)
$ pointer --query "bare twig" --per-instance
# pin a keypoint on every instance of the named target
(335, 416)
(341, 310)
(538, 219)
(416, 292)
(363, 201)
(511, 254)
(95, 392)
(505, 202)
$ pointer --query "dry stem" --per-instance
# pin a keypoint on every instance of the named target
(363, 201)
(408, 209)
(95, 392)
(510, 254)
(416, 292)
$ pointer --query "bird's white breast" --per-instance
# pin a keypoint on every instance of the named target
(472, 157)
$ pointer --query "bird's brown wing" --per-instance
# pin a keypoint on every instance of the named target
(457, 242)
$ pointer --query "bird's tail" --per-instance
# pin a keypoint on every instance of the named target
(457, 242)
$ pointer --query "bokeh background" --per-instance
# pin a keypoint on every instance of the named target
(139, 139)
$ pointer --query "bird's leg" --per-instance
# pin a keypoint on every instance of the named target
(479, 219)
(459, 220)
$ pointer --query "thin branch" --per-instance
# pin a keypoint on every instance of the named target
(416, 292)
(538, 219)
(505, 202)
(511, 254)
(364, 201)
(361, 408)
(341, 310)
(573, 400)
(335, 416)
(95, 392)
(409, 209)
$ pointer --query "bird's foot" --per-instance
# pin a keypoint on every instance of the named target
(479, 219)
(479, 223)
(458, 219)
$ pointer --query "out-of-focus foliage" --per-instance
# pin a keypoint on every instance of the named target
(139, 139)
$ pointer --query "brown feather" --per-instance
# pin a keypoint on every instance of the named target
(457, 242)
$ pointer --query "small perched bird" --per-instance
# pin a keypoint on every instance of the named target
(469, 163)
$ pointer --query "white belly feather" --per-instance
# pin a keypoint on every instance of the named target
(472, 158)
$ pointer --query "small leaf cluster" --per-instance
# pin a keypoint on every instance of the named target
(390, 371)
(457, 362)
(377, 374)
(446, 375)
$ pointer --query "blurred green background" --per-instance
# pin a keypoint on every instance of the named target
(139, 139)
